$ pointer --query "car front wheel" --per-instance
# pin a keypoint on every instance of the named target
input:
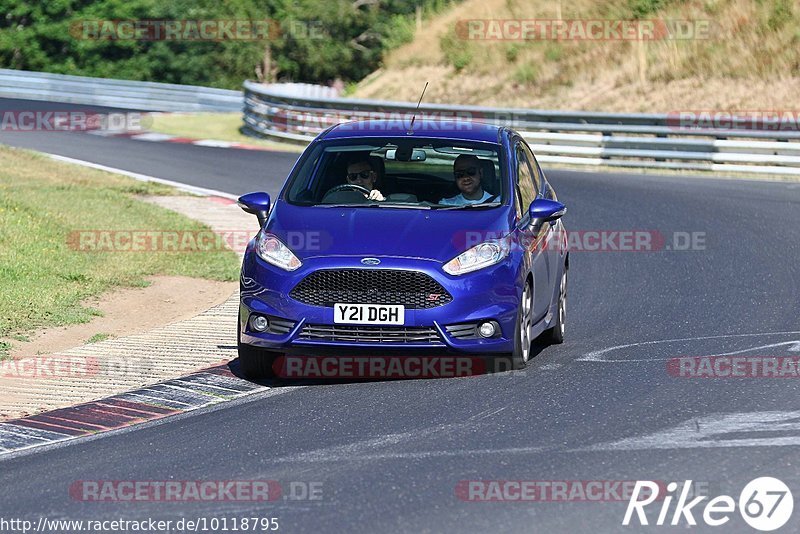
(522, 331)
(555, 335)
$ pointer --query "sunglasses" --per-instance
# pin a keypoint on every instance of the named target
(470, 171)
(363, 175)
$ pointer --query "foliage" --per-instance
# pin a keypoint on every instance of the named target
(309, 41)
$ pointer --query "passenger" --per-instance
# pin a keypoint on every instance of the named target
(468, 174)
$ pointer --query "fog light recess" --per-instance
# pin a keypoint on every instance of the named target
(260, 323)
(488, 329)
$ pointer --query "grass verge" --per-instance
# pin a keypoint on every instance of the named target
(44, 277)
(218, 126)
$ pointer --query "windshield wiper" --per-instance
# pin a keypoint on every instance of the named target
(400, 205)
(375, 204)
(467, 206)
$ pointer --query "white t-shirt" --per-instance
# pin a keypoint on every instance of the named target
(459, 200)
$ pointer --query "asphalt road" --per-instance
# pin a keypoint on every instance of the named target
(601, 407)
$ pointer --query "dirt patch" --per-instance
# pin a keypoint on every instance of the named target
(130, 311)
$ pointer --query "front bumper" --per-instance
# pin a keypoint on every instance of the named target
(489, 294)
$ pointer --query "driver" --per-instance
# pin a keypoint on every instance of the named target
(361, 172)
(468, 173)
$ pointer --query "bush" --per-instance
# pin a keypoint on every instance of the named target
(554, 52)
(526, 74)
(456, 51)
(780, 15)
(512, 52)
(348, 40)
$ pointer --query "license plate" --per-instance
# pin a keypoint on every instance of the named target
(368, 313)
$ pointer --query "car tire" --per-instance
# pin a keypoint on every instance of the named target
(555, 335)
(255, 363)
(522, 329)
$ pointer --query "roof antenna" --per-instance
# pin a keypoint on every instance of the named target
(414, 117)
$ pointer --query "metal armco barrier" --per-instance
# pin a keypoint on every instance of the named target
(145, 96)
(574, 137)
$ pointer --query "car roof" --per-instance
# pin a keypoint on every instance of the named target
(425, 127)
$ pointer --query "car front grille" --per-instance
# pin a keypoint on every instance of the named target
(412, 289)
(371, 334)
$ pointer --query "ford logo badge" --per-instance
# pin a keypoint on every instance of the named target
(370, 261)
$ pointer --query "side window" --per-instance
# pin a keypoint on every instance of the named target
(545, 188)
(525, 179)
(537, 172)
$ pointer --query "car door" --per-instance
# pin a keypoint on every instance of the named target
(528, 236)
(552, 232)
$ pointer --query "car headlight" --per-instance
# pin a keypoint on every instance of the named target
(272, 250)
(478, 257)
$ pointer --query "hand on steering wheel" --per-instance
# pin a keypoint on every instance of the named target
(344, 187)
(371, 195)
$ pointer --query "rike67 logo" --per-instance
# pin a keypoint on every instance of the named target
(765, 504)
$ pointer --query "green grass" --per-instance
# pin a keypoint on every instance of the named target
(43, 277)
(102, 336)
(457, 51)
(218, 126)
(525, 74)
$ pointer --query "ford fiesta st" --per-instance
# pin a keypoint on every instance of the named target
(447, 237)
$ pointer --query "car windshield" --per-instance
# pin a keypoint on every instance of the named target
(413, 174)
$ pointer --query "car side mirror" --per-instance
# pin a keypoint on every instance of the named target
(546, 210)
(256, 203)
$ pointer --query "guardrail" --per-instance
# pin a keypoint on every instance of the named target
(584, 138)
(144, 96)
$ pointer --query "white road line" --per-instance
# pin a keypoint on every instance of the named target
(214, 143)
(27, 433)
(598, 355)
(550, 367)
(415, 454)
(709, 431)
(145, 178)
(152, 136)
(771, 346)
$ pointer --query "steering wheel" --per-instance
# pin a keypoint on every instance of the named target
(345, 187)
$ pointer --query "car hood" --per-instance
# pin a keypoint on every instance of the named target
(412, 233)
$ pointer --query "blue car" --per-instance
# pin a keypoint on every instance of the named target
(445, 238)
